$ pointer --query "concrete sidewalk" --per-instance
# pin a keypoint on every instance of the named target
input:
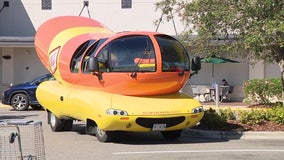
(227, 104)
(3, 105)
(224, 105)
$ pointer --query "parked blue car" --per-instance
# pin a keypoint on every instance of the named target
(21, 96)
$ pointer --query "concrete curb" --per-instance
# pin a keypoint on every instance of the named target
(4, 106)
(227, 135)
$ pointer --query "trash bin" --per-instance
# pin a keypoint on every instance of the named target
(21, 140)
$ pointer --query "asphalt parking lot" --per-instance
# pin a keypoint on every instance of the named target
(77, 145)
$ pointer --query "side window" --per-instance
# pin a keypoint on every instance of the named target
(75, 61)
(91, 52)
(103, 58)
(129, 54)
(174, 55)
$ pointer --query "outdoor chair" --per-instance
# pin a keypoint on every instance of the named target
(226, 93)
(200, 91)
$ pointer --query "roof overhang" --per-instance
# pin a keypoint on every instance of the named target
(16, 41)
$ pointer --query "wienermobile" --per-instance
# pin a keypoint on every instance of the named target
(127, 81)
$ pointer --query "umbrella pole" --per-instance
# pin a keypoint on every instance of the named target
(217, 95)
(212, 73)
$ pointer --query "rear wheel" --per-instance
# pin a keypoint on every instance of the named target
(55, 123)
(20, 102)
(58, 125)
(171, 135)
(103, 136)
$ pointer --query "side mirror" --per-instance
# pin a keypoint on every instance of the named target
(37, 83)
(195, 63)
(93, 65)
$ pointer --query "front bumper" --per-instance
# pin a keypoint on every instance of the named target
(149, 123)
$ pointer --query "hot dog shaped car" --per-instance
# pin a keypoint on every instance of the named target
(127, 81)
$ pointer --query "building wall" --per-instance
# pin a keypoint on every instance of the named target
(265, 70)
(22, 18)
(7, 66)
(271, 70)
(28, 65)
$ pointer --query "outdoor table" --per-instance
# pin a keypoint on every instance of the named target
(223, 90)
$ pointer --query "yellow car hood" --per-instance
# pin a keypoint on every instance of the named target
(155, 105)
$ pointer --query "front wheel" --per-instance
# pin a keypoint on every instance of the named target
(171, 135)
(20, 102)
(103, 136)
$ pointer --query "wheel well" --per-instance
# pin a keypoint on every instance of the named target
(90, 126)
(19, 92)
(64, 118)
(48, 117)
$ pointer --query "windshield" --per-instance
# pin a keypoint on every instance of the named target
(128, 54)
(174, 55)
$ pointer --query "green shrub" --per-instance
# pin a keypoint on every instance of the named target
(253, 117)
(212, 120)
(261, 90)
(277, 114)
(227, 114)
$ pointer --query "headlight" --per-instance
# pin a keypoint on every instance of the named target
(116, 112)
(197, 109)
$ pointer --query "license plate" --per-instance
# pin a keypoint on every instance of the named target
(159, 127)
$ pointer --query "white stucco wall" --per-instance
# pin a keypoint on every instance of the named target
(27, 64)
(272, 70)
(234, 73)
(22, 18)
(7, 67)
(265, 70)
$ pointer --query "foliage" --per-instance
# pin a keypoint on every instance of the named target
(252, 117)
(250, 28)
(277, 114)
(257, 116)
(212, 119)
(262, 90)
(231, 25)
(227, 114)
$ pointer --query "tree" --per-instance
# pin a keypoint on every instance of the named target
(232, 27)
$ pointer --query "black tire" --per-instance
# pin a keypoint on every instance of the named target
(171, 135)
(55, 123)
(37, 107)
(103, 136)
(20, 102)
(67, 124)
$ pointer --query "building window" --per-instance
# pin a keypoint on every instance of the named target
(46, 4)
(126, 4)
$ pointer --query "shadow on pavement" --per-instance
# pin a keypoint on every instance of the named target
(146, 138)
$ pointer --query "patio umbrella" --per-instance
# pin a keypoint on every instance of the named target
(216, 60)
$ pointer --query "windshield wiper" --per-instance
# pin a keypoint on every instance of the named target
(136, 68)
